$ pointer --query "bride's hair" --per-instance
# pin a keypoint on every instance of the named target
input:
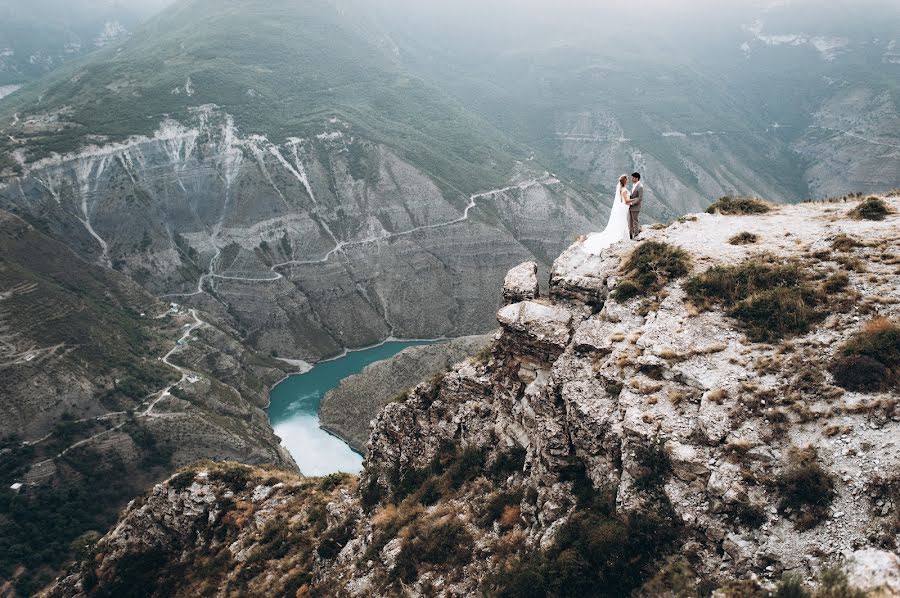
(623, 180)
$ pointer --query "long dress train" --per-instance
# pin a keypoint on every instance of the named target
(616, 229)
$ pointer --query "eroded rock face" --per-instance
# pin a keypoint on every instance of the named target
(670, 411)
(293, 240)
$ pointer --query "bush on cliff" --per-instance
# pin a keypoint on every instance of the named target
(770, 299)
(730, 206)
(870, 360)
(807, 490)
(871, 208)
(440, 543)
(597, 552)
(649, 268)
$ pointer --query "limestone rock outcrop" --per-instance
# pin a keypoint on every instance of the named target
(521, 283)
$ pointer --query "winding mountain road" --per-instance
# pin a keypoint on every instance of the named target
(153, 398)
(547, 179)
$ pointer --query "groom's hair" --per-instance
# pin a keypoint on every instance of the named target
(636, 175)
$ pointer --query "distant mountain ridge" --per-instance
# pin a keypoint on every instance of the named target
(39, 36)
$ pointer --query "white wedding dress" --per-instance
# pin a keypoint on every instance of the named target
(616, 229)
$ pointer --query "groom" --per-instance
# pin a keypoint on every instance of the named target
(634, 206)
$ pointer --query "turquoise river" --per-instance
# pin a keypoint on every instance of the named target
(294, 410)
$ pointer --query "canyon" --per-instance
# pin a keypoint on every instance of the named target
(661, 441)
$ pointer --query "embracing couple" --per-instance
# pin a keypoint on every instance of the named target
(624, 219)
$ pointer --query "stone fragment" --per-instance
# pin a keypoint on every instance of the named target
(687, 462)
(875, 571)
(521, 283)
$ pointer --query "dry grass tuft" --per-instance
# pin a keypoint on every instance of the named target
(870, 360)
(871, 208)
(744, 238)
(730, 206)
(649, 268)
(845, 243)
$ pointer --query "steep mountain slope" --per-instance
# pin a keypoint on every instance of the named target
(784, 100)
(104, 392)
(291, 183)
(39, 36)
(666, 443)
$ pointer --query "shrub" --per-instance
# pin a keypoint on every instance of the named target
(334, 540)
(730, 206)
(806, 487)
(676, 579)
(836, 283)
(371, 494)
(625, 290)
(445, 542)
(448, 471)
(331, 481)
(498, 503)
(859, 373)
(769, 298)
(870, 360)
(844, 242)
(181, 480)
(649, 267)
(654, 466)
(744, 238)
(596, 553)
(871, 208)
(508, 462)
(791, 587)
(233, 476)
(773, 314)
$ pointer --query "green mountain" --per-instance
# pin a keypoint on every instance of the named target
(279, 68)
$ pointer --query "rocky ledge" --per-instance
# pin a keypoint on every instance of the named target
(710, 410)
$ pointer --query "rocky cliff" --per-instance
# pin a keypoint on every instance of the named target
(348, 409)
(711, 409)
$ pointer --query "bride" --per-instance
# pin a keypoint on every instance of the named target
(617, 228)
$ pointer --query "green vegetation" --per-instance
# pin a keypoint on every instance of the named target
(233, 475)
(182, 480)
(649, 268)
(871, 208)
(770, 299)
(730, 206)
(596, 553)
(744, 238)
(870, 360)
(443, 542)
(449, 470)
(807, 490)
(281, 69)
(334, 540)
(836, 283)
(39, 525)
(832, 584)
